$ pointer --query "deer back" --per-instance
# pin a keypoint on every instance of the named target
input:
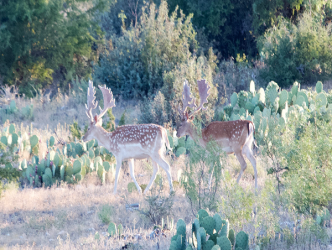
(235, 132)
(147, 136)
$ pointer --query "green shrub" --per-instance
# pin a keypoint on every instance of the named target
(75, 131)
(134, 63)
(307, 185)
(201, 177)
(123, 119)
(301, 52)
(105, 214)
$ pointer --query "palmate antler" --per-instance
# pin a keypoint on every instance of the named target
(188, 101)
(91, 104)
(109, 101)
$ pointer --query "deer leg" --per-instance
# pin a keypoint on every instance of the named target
(132, 174)
(164, 165)
(118, 166)
(154, 174)
(243, 163)
(248, 152)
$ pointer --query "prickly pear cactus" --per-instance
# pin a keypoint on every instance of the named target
(62, 172)
(271, 95)
(79, 149)
(215, 247)
(52, 140)
(202, 234)
(218, 222)
(201, 215)
(242, 241)
(224, 243)
(305, 96)
(4, 140)
(11, 128)
(233, 99)
(231, 236)
(77, 165)
(319, 87)
(228, 110)
(33, 141)
(250, 107)
(120, 229)
(180, 151)
(208, 245)
(300, 101)
(242, 98)
(131, 187)
(112, 229)
(321, 100)
(224, 228)
(208, 224)
(283, 97)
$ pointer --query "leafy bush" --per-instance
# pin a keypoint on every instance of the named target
(37, 39)
(301, 52)
(159, 207)
(201, 177)
(105, 214)
(75, 131)
(133, 64)
(309, 162)
(123, 119)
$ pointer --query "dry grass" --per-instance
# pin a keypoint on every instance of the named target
(68, 217)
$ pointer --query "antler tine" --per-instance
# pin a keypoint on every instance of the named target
(187, 100)
(109, 101)
(203, 90)
(91, 104)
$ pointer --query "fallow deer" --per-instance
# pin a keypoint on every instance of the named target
(232, 136)
(127, 142)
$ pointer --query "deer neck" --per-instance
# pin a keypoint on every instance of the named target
(196, 136)
(103, 138)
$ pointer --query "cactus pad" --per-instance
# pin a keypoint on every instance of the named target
(224, 243)
(11, 128)
(208, 245)
(201, 215)
(242, 98)
(215, 247)
(33, 141)
(321, 100)
(208, 224)
(52, 140)
(112, 229)
(131, 187)
(180, 151)
(231, 236)
(242, 241)
(319, 87)
(233, 99)
(225, 228)
(218, 222)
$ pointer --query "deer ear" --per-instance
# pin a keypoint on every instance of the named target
(96, 118)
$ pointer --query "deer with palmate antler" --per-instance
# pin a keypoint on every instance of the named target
(128, 142)
(232, 136)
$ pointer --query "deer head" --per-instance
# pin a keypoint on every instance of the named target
(186, 125)
(96, 121)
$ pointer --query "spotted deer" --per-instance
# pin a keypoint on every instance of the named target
(127, 142)
(232, 136)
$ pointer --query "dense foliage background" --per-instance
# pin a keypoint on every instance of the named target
(131, 45)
